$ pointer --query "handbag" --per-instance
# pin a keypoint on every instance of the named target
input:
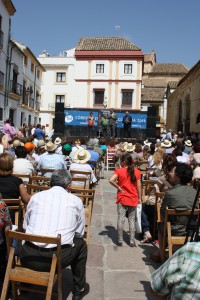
(138, 213)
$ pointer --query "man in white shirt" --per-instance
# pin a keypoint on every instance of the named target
(53, 212)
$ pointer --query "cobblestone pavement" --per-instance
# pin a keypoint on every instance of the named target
(113, 272)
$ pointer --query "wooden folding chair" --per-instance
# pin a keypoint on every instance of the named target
(24, 177)
(87, 196)
(39, 180)
(33, 188)
(147, 185)
(79, 182)
(148, 170)
(15, 205)
(167, 233)
(87, 174)
(157, 218)
(16, 273)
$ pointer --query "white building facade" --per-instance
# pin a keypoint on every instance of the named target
(100, 73)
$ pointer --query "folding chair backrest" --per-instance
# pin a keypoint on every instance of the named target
(110, 153)
(174, 240)
(15, 272)
(15, 205)
(79, 182)
(87, 174)
(33, 188)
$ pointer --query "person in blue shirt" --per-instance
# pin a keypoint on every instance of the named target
(39, 132)
(94, 155)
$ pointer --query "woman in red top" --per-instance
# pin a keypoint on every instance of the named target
(128, 195)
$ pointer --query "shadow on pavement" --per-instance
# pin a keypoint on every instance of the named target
(111, 232)
(147, 289)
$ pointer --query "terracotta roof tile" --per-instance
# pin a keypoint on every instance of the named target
(152, 94)
(106, 44)
(169, 68)
(173, 84)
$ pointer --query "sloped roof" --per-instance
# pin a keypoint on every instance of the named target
(147, 57)
(152, 94)
(169, 68)
(191, 72)
(154, 82)
(173, 84)
(106, 44)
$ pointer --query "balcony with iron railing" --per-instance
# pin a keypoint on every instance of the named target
(31, 103)
(37, 106)
(15, 90)
(1, 39)
(24, 98)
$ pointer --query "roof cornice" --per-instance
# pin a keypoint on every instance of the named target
(9, 6)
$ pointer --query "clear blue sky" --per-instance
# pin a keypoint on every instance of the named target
(171, 27)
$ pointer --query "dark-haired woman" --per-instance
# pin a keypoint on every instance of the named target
(128, 195)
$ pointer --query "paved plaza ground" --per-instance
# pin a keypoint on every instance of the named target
(113, 272)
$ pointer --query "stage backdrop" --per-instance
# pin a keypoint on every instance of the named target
(79, 118)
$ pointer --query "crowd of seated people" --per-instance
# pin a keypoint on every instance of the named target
(30, 156)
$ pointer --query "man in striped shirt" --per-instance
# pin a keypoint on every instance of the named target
(53, 212)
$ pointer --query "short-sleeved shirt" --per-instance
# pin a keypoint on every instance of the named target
(9, 187)
(129, 196)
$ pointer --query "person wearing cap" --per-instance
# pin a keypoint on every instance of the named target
(30, 147)
(77, 146)
(51, 160)
(127, 121)
(91, 123)
(188, 146)
(169, 135)
(39, 150)
(66, 150)
(80, 163)
(167, 145)
(58, 143)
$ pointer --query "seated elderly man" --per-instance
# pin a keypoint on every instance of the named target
(52, 212)
(51, 160)
(180, 197)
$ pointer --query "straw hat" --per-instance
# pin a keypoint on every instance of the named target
(147, 143)
(50, 146)
(41, 144)
(81, 156)
(17, 143)
(166, 144)
(130, 147)
(57, 141)
(188, 143)
(122, 147)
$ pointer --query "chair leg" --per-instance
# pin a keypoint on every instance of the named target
(7, 275)
(51, 278)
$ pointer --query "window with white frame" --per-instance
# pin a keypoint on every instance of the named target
(60, 77)
(100, 68)
(127, 97)
(60, 98)
(128, 68)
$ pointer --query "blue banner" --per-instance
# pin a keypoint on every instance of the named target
(79, 118)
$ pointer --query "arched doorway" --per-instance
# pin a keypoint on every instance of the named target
(187, 115)
(180, 123)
